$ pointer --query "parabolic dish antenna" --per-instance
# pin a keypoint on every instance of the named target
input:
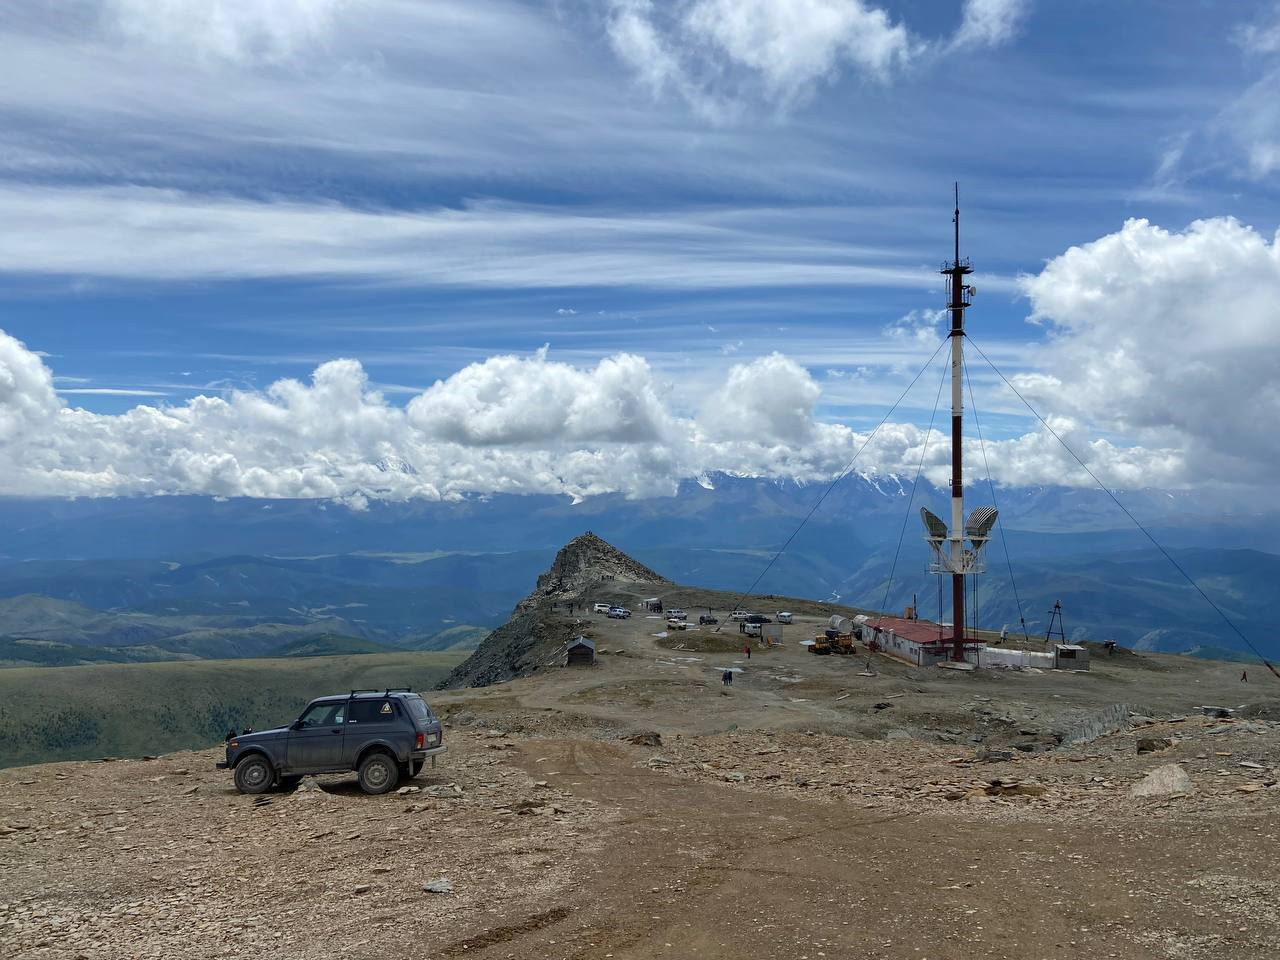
(980, 523)
(935, 529)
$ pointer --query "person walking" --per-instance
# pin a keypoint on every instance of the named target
(1244, 676)
(727, 677)
(747, 651)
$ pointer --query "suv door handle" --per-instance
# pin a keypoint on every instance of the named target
(336, 730)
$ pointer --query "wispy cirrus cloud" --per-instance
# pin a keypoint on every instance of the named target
(149, 234)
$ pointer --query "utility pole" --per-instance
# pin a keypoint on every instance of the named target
(957, 270)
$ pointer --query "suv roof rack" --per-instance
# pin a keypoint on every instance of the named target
(385, 691)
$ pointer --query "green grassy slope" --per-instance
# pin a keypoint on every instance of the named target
(84, 712)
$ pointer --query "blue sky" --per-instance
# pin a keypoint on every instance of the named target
(204, 198)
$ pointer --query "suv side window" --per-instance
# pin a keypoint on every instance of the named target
(418, 708)
(324, 714)
(371, 711)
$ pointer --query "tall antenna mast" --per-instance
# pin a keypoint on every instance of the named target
(957, 270)
(957, 560)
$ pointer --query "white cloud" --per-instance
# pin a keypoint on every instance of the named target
(636, 40)
(713, 52)
(518, 400)
(1169, 338)
(923, 327)
(164, 235)
(769, 399)
(509, 425)
(1262, 37)
(794, 44)
(990, 23)
(28, 399)
(271, 32)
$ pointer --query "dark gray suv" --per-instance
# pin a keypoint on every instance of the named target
(383, 735)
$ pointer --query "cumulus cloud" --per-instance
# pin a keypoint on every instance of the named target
(716, 53)
(525, 400)
(769, 399)
(990, 23)
(710, 51)
(506, 425)
(792, 44)
(1170, 338)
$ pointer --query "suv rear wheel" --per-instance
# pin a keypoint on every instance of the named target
(379, 773)
(254, 774)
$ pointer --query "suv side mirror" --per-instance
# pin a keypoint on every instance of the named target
(296, 725)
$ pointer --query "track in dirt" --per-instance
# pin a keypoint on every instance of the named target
(699, 869)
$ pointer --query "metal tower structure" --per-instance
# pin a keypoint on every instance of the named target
(957, 560)
(1055, 616)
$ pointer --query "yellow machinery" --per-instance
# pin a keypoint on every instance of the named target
(820, 645)
(833, 642)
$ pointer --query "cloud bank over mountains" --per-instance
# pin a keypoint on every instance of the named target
(509, 424)
(1159, 372)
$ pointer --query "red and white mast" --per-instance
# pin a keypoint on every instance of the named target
(957, 270)
(957, 560)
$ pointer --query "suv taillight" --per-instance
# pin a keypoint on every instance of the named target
(421, 742)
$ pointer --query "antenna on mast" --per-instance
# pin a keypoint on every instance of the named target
(956, 219)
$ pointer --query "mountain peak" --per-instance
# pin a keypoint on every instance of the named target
(580, 564)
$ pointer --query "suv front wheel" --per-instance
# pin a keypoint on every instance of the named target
(379, 773)
(254, 774)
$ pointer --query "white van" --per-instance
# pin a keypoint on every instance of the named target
(600, 608)
(753, 629)
(783, 617)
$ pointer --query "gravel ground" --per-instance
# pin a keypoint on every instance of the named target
(814, 809)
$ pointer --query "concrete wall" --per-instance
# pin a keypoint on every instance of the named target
(1008, 657)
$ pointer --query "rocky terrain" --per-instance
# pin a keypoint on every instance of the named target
(639, 808)
(544, 621)
(582, 565)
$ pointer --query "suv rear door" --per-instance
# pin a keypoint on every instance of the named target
(425, 721)
(371, 718)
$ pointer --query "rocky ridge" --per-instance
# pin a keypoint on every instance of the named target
(582, 563)
(544, 621)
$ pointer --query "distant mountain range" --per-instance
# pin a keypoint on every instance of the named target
(179, 577)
